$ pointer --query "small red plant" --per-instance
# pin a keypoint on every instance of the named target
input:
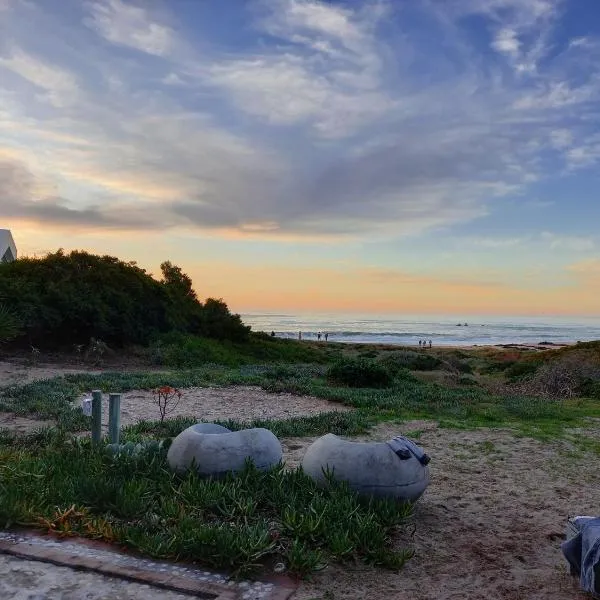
(167, 399)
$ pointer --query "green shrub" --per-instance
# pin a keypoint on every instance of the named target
(360, 373)
(518, 370)
(67, 299)
(9, 324)
(414, 361)
(590, 389)
(457, 364)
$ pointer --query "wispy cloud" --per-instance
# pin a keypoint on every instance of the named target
(325, 69)
(56, 85)
(520, 29)
(569, 242)
(318, 119)
(126, 25)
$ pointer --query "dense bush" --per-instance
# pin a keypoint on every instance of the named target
(360, 373)
(64, 299)
(9, 324)
(454, 363)
(521, 369)
(576, 373)
(414, 361)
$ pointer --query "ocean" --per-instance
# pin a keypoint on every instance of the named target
(442, 331)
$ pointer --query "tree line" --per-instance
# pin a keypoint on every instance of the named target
(67, 299)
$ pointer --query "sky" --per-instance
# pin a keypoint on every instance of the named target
(377, 156)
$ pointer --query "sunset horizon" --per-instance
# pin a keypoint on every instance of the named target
(362, 156)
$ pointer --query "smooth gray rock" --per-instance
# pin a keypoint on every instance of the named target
(221, 452)
(209, 428)
(370, 468)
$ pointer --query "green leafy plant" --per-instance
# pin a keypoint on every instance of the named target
(360, 373)
(238, 523)
(409, 359)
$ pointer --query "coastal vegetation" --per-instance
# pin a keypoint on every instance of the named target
(65, 300)
(143, 333)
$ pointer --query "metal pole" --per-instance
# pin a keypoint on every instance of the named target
(114, 417)
(96, 416)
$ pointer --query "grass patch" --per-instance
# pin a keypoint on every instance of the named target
(51, 480)
(238, 523)
(340, 423)
(187, 351)
(464, 406)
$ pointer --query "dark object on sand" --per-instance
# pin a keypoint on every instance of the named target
(582, 550)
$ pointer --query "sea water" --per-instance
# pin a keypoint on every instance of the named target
(442, 331)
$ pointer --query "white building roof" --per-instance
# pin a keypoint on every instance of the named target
(8, 250)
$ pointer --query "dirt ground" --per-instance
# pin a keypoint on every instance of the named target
(489, 526)
(18, 373)
(241, 403)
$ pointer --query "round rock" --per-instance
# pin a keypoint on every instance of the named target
(370, 468)
(214, 453)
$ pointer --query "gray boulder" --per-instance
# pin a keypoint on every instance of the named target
(214, 450)
(370, 468)
(209, 428)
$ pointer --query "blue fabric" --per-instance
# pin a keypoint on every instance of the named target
(404, 448)
(583, 554)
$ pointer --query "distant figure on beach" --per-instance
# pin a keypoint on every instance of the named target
(319, 336)
(430, 343)
(300, 336)
(326, 336)
(420, 343)
(272, 334)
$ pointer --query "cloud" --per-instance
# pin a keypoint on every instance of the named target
(507, 41)
(570, 243)
(521, 28)
(323, 120)
(172, 79)
(584, 153)
(284, 90)
(328, 71)
(495, 243)
(126, 25)
(18, 188)
(59, 84)
(558, 94)
(561, 138)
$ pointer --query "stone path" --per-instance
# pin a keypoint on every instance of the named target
(37, 567)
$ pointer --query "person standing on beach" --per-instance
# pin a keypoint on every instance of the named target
(430, 343)
(326, 336)
(319, 336)
(299, 336)
(420, 343)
